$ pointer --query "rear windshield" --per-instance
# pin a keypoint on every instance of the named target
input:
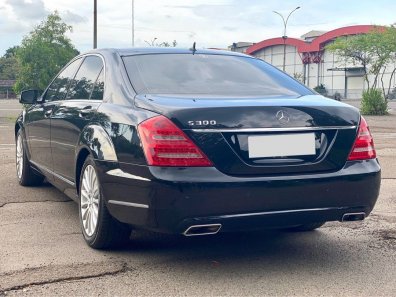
(209, 75)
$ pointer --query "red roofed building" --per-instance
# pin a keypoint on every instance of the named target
(307, 60)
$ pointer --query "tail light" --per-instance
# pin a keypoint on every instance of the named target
(164, 144)
(363, 148)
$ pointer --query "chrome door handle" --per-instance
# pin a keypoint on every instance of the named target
(61, 110)
(48, 113)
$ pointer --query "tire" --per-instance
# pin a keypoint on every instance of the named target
(99, 228)
(306, 227)
(25, 174)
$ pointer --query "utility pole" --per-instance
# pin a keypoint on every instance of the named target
(95, 29)
(284, 37)
(133, 23)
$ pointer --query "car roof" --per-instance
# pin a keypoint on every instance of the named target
(163, 50)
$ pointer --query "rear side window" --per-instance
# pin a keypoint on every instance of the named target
(209, 75)
(58, 88)
(84, 82)
(97, 93)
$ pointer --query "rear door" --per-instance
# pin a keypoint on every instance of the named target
(74, 113)
(38, 118)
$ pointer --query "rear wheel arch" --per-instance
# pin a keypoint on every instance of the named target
(94, 141)
(99, 143)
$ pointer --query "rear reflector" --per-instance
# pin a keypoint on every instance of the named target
(164, 144)
(363, 147)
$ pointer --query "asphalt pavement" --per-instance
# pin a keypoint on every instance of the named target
(42, 251)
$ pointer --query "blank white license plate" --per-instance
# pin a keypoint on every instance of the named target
(281, 145)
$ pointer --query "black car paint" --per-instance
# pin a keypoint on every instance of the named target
(244, 113)
(179, 197)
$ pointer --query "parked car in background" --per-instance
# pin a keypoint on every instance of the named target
(194, 143)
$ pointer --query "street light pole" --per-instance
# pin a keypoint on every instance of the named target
(284, 37)
(95, 29)
(133, 23)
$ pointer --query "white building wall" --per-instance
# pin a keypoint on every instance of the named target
(316, 74)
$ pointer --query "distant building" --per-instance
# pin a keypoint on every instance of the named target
(240, 46)
(6, 89)
(311, 35)
(307, 60)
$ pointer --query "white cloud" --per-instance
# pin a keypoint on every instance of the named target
(73, 18)
(28, 10)
(215, 23)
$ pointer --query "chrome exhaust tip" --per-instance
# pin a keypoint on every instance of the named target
(197, 230)
(355, 216)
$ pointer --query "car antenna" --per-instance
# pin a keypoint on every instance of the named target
(193, 49)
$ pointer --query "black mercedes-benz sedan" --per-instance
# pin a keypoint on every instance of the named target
(194, 142)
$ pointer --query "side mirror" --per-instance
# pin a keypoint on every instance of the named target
(29, 96)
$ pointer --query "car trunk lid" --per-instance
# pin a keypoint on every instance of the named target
(263, 136)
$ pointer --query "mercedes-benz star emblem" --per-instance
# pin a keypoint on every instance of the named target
(283, 117)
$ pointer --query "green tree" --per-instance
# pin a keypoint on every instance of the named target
(11, 52)
(155, 43)
(9, 65)
(43, 53)
(374, 51)
(167, 44)
(8, 68)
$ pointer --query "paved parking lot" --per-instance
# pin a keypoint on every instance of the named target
(42, 251)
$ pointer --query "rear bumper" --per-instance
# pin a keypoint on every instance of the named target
(173, 199)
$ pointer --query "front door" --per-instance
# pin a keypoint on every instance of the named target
(38, 118)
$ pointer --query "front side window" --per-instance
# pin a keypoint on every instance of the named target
(84, 82)
(58, 88)
(209, 74)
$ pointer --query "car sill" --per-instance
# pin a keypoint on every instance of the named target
(53, 173)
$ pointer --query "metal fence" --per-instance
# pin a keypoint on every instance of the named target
(351, 94)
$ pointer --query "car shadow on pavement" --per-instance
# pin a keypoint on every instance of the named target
(239, 247)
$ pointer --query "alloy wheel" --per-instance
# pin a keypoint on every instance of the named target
(90, 198)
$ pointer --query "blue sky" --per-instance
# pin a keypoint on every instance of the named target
(216, 23)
